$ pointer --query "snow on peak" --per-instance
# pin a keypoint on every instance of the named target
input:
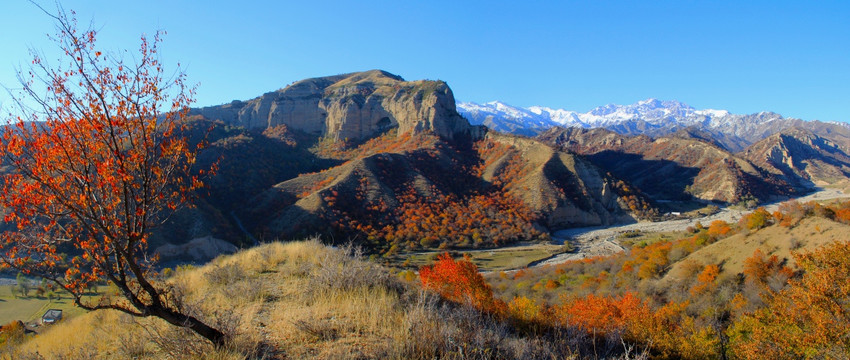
(653, 112)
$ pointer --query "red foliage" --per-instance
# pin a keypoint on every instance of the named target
(459, 281)
(759, 267)
(101, 163)
(706, 280)
(441, 220)
(603, 314)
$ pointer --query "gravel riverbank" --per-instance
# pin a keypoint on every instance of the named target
(596, 241)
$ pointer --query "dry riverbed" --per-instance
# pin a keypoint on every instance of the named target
(596, 241)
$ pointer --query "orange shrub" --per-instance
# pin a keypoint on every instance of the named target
(719, 229)
(459, 281)
(759, 267)
(706, 280)
(601, 314)
(757, 219)
(809, 319)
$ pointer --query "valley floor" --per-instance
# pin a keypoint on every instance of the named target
(589, 242)
(598, 241)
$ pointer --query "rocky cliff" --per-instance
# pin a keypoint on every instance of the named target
(352, 106)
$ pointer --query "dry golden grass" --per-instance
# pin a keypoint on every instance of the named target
(235, 293)
(276, 300)
(730, 253)
(299, 300)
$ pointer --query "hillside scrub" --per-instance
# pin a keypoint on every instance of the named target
(697, 298)
(393, 210)
(307, 300)
(809, 318)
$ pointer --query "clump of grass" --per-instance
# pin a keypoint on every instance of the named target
(344, 268)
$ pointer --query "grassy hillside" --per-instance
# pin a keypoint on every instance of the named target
(713, 292)
(305, 300)
(731, 253)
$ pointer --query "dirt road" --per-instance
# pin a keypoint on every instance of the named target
(597, 241)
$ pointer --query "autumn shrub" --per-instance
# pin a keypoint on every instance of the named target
(757, 219)
(459, 281)
(792, 212)
(767, 272)
(809, 319)
(650, 260)
(705, 280)
(11, 334)
(719, 229)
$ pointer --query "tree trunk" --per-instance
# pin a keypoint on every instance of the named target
(174, 318)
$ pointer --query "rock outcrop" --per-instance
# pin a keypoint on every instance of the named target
(352, 106)
(203, 248)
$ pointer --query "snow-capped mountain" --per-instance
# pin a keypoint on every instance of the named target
(652, 111)
(651, 117)
(503, 117)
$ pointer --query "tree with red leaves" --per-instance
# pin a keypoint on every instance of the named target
(95, 159)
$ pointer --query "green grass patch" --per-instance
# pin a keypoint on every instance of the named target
(31, 308)
(691, 208)
(641, 239)
(492, 259)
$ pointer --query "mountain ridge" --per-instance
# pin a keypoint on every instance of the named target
(390, 163)
(650, 117)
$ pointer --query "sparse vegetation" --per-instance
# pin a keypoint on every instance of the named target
(698, 296)
(303, 299)
(506, 258)
(317, 302)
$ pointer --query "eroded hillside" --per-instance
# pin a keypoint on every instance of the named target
(802, 158)
(672, 168)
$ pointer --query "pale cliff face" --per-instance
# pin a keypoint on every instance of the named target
(352, 106)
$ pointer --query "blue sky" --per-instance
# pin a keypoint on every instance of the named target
(743, 56)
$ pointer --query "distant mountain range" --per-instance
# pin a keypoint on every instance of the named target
(650, 117)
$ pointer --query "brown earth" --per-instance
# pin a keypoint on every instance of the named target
(672, 168)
